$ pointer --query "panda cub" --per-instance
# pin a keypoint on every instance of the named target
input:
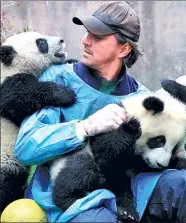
(152, 139)
(23, 59)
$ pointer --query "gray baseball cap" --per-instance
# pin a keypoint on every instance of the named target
(112, 17)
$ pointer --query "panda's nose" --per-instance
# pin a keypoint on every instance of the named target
(161, 166)
(61, 41)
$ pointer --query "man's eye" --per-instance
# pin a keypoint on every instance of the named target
(97, 37)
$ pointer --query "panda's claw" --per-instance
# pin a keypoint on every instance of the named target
(124, 216)
(181, 164)
(132, 127)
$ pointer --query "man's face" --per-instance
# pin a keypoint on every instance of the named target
(100, 50)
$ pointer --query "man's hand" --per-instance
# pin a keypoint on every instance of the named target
(106, 119)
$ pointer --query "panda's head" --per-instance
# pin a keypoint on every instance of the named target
(163, 124)
(30, 52)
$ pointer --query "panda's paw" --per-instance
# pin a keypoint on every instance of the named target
(132, 127)
(64, 96)
(128, 214)
(177, 163)
(181, 164)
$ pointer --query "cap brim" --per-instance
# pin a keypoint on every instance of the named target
(93, 25)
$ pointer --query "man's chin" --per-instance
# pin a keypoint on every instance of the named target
(85, 61)
(88, 63)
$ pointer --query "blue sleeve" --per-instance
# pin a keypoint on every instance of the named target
(42, 137)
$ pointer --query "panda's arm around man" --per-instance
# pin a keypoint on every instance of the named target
(99, 80)
(25, 88)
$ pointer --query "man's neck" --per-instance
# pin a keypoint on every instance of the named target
(109, 72)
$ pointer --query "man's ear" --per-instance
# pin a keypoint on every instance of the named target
(7, 54)
(125, 50)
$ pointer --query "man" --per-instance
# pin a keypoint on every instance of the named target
(100, 80)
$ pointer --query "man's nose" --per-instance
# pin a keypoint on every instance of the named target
(86, 40)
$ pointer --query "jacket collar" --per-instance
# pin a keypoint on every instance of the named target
(125, 84)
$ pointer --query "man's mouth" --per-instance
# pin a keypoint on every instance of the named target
(87, 52)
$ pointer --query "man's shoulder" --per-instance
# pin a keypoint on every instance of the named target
(60, 68)
(141, 86)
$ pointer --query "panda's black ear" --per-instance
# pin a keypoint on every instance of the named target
(175, 89)
(7, 54)
(153, 104)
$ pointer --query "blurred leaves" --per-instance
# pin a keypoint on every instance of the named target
(26, 29)
(7, 23)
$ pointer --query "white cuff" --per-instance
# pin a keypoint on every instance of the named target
(80, 131)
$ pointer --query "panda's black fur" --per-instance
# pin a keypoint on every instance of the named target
(109, 161)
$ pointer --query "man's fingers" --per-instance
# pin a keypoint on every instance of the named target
(118, 120)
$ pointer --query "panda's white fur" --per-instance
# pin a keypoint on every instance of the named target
(56, 167)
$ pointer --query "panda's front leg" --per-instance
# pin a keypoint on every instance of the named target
(55, 94)
(110, 145)
(178, 163)
(125, 207)
(30, 95)
(127, 134)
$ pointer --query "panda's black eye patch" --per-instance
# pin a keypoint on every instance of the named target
(156, 142)
(42, 45)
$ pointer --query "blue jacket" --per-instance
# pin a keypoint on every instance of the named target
(50, 132)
